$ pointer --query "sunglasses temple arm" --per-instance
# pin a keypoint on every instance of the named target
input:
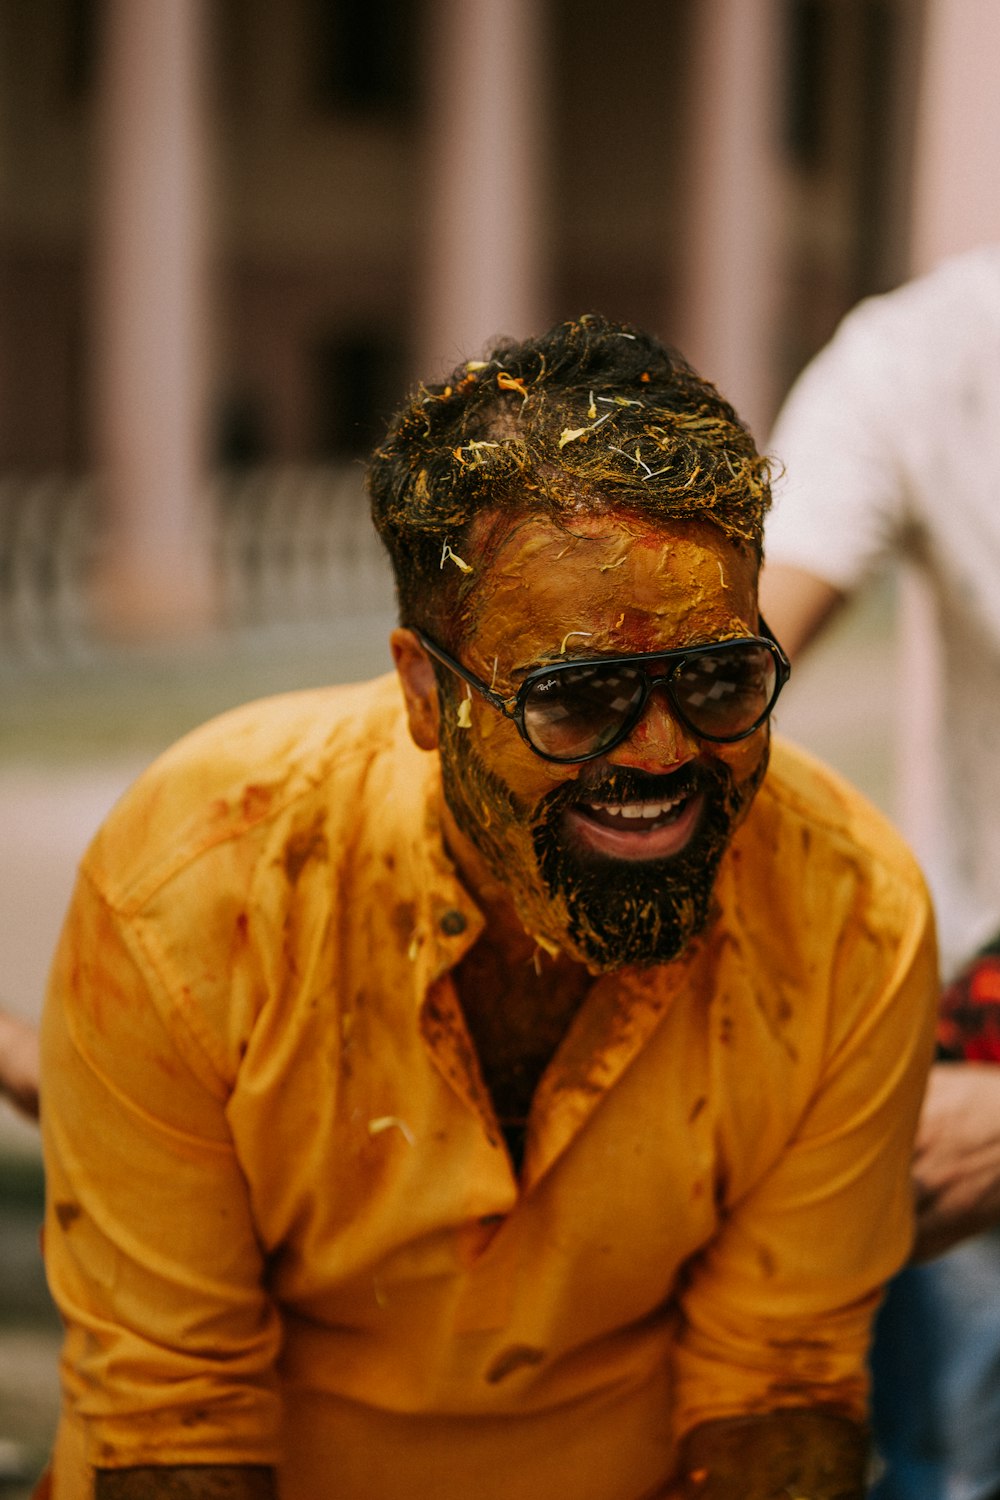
(466, 676)
(769, 635)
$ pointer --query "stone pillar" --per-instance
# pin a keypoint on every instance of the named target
(149, 317)
(956, 204)
(729, 294)
(482, 221)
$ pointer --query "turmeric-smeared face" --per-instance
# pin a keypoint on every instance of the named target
(613, 860)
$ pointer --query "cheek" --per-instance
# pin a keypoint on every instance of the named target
(747, 760)
(502, 751)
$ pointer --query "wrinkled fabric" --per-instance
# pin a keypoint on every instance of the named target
(282, 1225)
(969, 1011)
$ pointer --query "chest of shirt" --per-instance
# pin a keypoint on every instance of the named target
(378, 1175)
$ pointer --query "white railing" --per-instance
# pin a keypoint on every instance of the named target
(49, 540)
(293, 545)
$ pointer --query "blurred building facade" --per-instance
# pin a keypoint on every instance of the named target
(231, 231)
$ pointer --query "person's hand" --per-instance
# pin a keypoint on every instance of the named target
(796, 1451)
(956, 1166)
(19, 1063)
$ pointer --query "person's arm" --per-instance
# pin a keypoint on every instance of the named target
(198, 1482)
(841, 491)
(776, 1310)
(796, 604)
(956, 1166)
(151, 1249)
(19, 1063)
(811, 1454)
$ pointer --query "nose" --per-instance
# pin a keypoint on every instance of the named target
(659, 742)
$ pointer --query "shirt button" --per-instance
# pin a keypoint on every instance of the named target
(452, 923)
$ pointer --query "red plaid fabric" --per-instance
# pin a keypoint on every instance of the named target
(969, 1016)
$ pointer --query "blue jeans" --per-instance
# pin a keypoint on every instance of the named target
(936, 1378)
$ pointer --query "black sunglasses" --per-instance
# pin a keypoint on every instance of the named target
(575, 710)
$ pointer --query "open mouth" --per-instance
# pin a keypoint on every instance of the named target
(634, 828)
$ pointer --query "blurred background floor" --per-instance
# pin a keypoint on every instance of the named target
(76, 733)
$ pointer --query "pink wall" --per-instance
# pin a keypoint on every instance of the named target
(956, 192)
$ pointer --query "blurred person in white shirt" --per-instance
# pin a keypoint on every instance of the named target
(890, 446)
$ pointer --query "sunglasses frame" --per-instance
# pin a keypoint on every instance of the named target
(512, 707)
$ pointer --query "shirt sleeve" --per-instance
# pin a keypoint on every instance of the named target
(150, 1246)
(841, 488)
(777, 1311)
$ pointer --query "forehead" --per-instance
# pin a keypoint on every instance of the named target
(605, 582)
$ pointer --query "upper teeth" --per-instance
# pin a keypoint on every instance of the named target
(638, 809)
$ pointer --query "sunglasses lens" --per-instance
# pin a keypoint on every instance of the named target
(725, 694)
(573, 713)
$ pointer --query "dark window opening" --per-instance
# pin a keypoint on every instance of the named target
(808, 30)
(879, 52)
(241, 439)
(357, 382)
(363, 55)
(81, 48)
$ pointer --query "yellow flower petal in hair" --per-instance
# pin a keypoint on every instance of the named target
(573, 434)
(512, 383)
(447, 555)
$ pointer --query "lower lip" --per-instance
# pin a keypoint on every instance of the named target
(628, 843)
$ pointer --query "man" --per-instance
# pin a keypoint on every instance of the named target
(890, 442)
(504, 1087)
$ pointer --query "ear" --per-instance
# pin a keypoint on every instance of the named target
(416, 675)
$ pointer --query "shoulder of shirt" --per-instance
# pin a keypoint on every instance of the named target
(800, 787)
(916, 343)
(950, 306)
(239, 772)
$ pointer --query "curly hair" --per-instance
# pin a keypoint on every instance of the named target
(592, 413)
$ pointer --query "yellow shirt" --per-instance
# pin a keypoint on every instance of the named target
(282, 1224)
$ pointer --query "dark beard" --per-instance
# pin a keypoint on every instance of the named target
(625, 912)
(614, 912)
